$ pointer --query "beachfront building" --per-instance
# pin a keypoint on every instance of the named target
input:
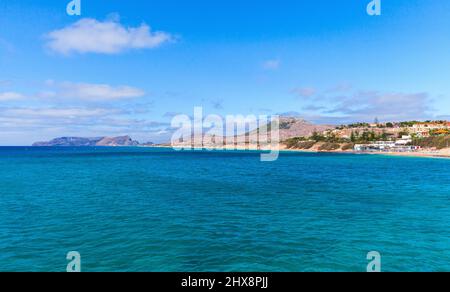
(424, 129)
(383, 148)
(375, 146)
(405, 140)
(401, 145)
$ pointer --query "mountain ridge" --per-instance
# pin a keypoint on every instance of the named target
(88, 142)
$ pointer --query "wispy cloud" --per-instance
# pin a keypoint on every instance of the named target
(313, 108)
(52, 113)
(170, 115)
(363, 106)
(340, 88)
(304, 91)
(89, 35)
(91, 92)
(10, 96)
(271, 64)
(366, 105)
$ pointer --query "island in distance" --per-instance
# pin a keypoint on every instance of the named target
(89, 142)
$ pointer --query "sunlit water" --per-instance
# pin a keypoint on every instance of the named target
(136, 209)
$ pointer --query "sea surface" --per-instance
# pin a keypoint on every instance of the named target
(144, 209)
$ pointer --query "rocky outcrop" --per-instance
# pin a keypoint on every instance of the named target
(88, 142)
(294, 127)
(117, 141)
(69, 141)
(148, 144)
(289, 127)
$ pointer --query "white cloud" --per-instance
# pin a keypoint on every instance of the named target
(271, 64)
(304, 91)
(10, 96)
(365, 105)
(92, 92)
(109, 37)
(340, 88)
(55, 113)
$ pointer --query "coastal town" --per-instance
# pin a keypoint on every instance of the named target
(387, 137)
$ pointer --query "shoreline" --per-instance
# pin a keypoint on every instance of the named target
(442, 154)
(413, 154)
(397, 154)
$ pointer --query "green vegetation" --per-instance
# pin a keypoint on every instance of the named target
(368, 136)
(318, 137)
(363, 133)
(405, 124)
(408, 124)
(438, 142)
(348, 146)
(293, 143)
(329, 138)
(358, 125)
(403, 133)
(330, 147)
(299, 143)
(306, 145)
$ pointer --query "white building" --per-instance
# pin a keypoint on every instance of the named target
(401, 145)
(405, 140)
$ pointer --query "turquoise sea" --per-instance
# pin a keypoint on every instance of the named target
(142, 209)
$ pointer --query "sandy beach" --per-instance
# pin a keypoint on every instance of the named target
(444, 153)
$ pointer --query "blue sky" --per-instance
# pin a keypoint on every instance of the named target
(126, 67)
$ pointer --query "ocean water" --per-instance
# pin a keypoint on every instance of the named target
(136, 209)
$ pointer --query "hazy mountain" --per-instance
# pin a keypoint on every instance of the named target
(88, 142)
(117, 141)
(290, 127)
(296, 127)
